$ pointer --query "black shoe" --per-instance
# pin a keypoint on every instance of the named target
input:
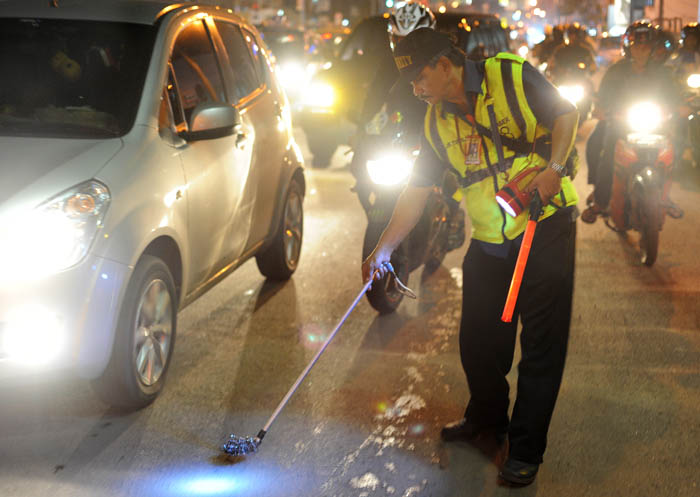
(465, 431)
(518, 472)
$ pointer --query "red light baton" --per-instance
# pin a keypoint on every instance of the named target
(535, 213)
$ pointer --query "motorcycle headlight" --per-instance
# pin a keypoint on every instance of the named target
(54, 236)
(319, 94)
(390, 169)
(694, 81)
(573, 93)
(644, 117)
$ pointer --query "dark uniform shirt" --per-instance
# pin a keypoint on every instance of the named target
(542, 97)
(622, 86)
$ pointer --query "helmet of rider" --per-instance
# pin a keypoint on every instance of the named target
(407, 17)
(574, 32)
(639, 32)
(664, 44)
(690, 37)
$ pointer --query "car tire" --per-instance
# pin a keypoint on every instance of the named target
(144, 338)
(280, 260)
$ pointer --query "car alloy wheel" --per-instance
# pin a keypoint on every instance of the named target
(293, 228)
(153, 330)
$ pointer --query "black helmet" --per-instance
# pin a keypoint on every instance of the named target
(574, 33)
(409, 16)
(638, 32)
(664, 44)
(691, 30)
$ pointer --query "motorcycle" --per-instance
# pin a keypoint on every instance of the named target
(572, 76)
(382, 165)
(643, 163)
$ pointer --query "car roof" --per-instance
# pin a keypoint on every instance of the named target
(133, 11)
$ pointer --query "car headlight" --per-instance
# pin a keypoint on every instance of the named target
(55, 235)
(573, 93)
(694, 81)
(644, 117)
(390, 169)
(319, 94)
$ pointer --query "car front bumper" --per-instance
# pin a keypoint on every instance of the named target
(65, 321)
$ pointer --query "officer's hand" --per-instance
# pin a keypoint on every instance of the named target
(547, 183)
(375, 266)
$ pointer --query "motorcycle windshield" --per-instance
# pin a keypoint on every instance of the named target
(71, 79)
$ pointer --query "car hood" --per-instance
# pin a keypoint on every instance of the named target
(35, 169)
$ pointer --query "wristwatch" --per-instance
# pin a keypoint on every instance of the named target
(560, 170)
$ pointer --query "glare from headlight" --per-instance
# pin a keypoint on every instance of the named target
(293, 76)
(523, 51)
(694, 81)
(54, 236)
(390, 169)
(644, 117)
(573, 93)
(33, 335)
(319, 95)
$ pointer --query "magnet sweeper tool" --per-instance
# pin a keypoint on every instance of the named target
(535, 213)
(240, 446)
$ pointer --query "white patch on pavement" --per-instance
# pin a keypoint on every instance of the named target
(368, 480)
(414, 374)
(403, 407)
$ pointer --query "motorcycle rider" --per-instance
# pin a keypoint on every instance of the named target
(407, 16)
(636, 74)
(388, 92)
(687, 59)
(574, 50)
(544, 50)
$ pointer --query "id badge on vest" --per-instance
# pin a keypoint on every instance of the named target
(472, 153)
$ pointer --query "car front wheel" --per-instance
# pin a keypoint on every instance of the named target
(145, 338)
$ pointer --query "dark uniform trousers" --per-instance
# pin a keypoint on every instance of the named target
(487, 344)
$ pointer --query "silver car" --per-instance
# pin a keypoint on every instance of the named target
(146, 151)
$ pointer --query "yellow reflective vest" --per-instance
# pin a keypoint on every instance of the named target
(525, 144)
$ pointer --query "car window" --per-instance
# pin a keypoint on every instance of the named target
(258, 57)
(246, 77)
(196, 69)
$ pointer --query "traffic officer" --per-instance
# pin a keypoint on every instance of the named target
(488, 121)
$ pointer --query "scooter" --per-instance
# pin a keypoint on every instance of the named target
(642, 178)
(382, 165)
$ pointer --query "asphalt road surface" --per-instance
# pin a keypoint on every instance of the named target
(366, 421)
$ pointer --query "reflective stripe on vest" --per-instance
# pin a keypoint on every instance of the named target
(524, 145)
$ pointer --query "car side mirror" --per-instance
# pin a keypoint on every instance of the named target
(212, 120)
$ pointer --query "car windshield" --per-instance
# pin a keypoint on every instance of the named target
(78, 79)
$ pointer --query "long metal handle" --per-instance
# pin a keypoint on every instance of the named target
(313, 361)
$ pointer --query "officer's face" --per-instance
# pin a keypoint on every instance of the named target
(431, 84)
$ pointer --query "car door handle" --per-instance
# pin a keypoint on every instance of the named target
(241, 139)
